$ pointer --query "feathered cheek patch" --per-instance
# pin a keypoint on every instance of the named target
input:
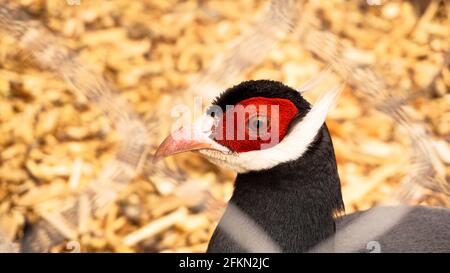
(254, 124)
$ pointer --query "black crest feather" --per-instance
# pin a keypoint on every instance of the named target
(261, 88)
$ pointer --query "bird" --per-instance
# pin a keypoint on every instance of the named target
(287, 184)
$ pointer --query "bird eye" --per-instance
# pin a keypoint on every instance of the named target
(257, 124)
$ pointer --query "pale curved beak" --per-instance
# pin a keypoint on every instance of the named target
(189, 138)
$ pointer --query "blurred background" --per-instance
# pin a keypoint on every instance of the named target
(56, 141)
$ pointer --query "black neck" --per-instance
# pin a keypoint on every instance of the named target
(294, 202)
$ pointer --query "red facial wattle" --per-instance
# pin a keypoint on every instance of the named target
(255, 124)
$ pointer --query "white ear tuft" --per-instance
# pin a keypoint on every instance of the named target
(314, 82)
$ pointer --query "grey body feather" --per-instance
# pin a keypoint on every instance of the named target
(395, 229)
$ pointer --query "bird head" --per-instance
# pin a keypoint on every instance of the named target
(252, 126)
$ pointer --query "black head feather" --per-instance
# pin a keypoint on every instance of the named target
(261, 88)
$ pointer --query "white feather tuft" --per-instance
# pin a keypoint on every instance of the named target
(314, 82)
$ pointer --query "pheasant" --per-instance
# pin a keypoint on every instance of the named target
(287, 182)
